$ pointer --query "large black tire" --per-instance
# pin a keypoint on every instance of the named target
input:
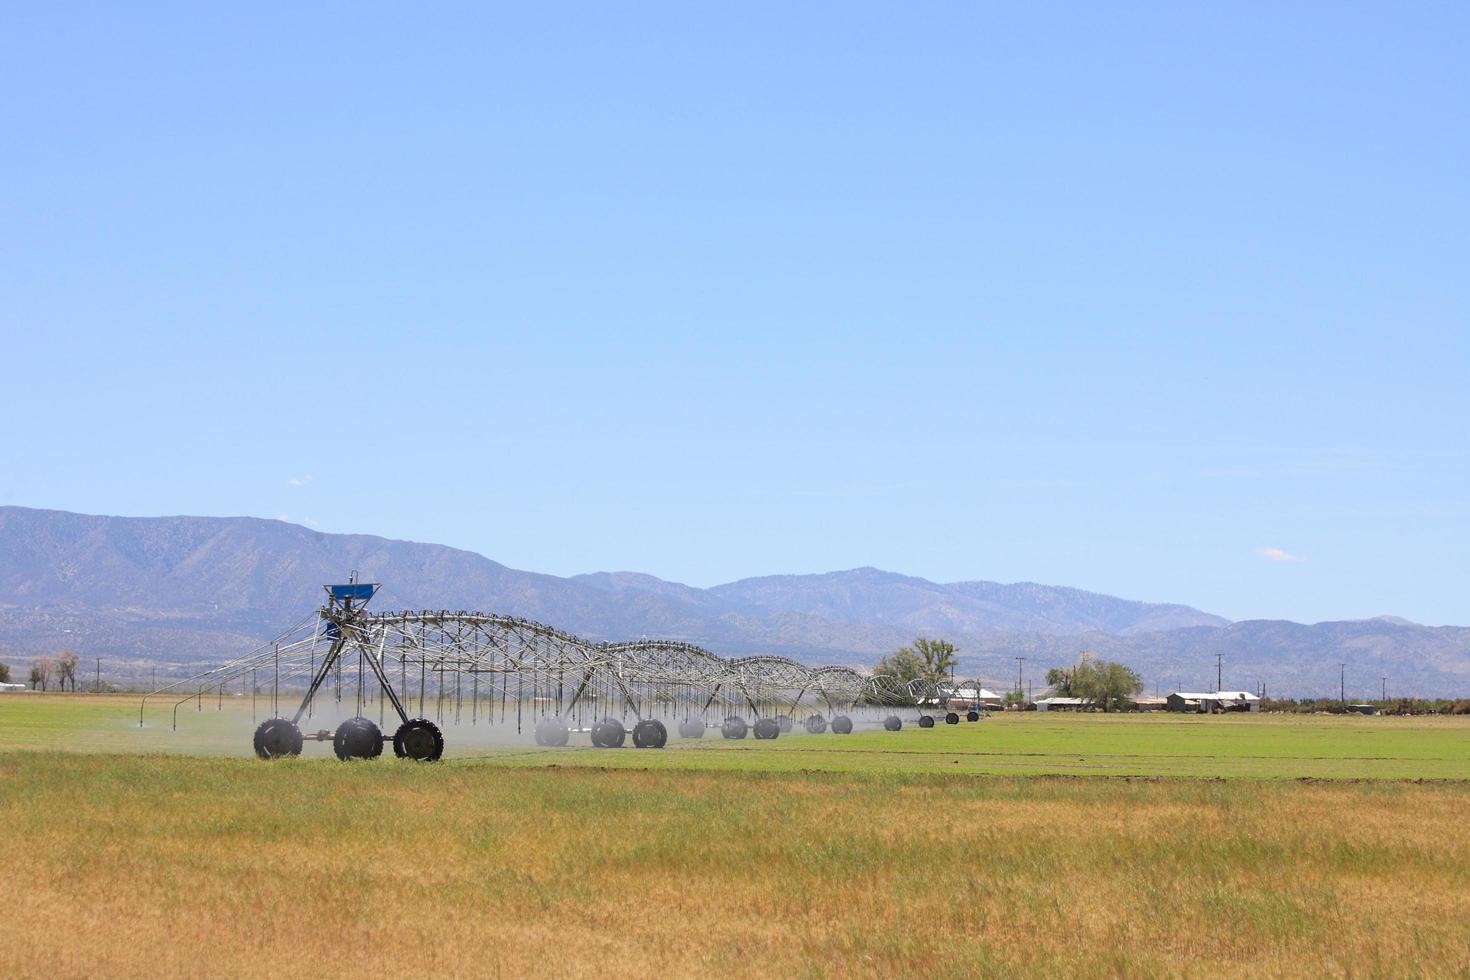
(418, 739)
(692, 728)
(926, 721)
(842, 725)
(734, 727)
(893, 723)
(277, 737)
(767, 728)
(609, 733)
(816, 724)
(951, 719)
(357, 738)
(650, 734)
(551, 731)
(973, 716)
(785, 723)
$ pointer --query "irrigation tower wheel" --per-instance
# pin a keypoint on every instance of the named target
(277, 737)
(691, 728)
(551, 731)
(418, 739)
(650, 734)
(893, 723)
(785, 723)
(734, 727)
(357, 738)
(609, 733)
(951, 719)
(926, 721)
(816, 724)
(842, 725)
(973, 716)
(767, 728)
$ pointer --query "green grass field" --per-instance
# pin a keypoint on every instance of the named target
(1285, 746)
(973, 850)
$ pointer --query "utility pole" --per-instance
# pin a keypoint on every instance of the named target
(1020, 687)
(1385, 687)
(1342, 684)
(1219, 670)
(97, 688)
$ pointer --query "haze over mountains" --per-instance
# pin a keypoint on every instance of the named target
(198, 589)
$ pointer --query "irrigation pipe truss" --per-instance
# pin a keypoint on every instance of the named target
(436, 668)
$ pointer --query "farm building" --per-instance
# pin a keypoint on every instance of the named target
(1213, 702)
(1083, 704)
(965, 698)
(1062, 704)
(12, 687)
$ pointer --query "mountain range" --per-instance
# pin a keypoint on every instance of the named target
(184, 591)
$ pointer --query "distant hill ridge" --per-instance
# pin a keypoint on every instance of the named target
(206, 588)
(871, 595)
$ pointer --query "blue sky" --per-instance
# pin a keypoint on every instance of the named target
(1162, 301)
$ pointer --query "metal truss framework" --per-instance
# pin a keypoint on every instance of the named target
(479, 668)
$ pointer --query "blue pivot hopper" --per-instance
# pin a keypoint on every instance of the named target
(352, 592)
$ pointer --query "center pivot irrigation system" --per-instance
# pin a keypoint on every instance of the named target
(482, 669)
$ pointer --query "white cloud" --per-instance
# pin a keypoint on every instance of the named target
(1277, 554)
(300, 481)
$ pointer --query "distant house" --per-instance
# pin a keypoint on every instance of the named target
(1058, 703)
(12, 687)
(1214, 702)
(989, 699)
(1363, 709)
(971, 698)
(1062, 704)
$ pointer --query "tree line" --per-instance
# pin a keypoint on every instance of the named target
(1393, 706)
(1105, 684)
(60, 669)
(925, 659)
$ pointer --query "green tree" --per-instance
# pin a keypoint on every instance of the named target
(1108, 685)
(1059, 679)
(900, 667)
(4, 673)
(930, 660)
(937, 657)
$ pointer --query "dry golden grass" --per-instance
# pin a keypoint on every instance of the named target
(171, 866)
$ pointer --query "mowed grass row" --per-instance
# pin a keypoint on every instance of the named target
(132, 865)
(1291, 746)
